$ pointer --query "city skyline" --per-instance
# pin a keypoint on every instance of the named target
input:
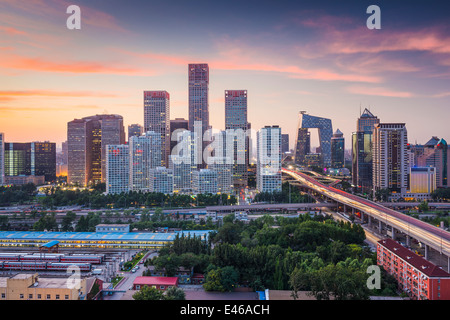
(320, 58)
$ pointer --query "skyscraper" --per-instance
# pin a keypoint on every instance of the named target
(176, 126)
(284, 142)
(117, 168)
(2, 158)
(198, 95)
(362, 168)
(390, 161)
(157, 119)
(183, 161)
(135, 130)
(302, 146)
(236, 122)
(268, 167)
(30, 159)
(435, 153)
(87, 139)
(325, 129)
(337, 150)
(145, 154)
(199, 102)
(43, 160)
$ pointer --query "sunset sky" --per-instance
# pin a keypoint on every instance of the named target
(316, 56)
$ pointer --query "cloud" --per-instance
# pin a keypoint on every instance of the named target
(53, 93)
(378, 91)
(10, 60)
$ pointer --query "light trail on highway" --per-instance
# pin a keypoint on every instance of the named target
(434, 237)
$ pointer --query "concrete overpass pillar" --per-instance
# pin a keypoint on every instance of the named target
(448, 264)
(393, 233)
(369, 218)
(380, 226)
(408, 240)
(426, 252)
(362, 217)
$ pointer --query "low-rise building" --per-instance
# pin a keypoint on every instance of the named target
(419, 278)
(160, 283)
(32, 287)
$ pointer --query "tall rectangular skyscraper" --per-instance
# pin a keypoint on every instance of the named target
(2, 158)
(198, 95)
(268, 167)
(117, 168)
(362, 167)
(199, 103)
(87, 139)
(390, 161)
(145, 154)
(157, 119)
(236, 119)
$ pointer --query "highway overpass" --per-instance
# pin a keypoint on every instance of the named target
(427, 234)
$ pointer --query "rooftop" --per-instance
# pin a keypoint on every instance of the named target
(418, 262)
(163, 281)
(108, 236)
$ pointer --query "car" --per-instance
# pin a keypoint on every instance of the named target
(134, 270)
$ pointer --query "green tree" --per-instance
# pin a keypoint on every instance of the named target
(174, 293)
(148, 293)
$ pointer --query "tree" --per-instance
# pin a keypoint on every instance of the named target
(174, 293)
(148, 293)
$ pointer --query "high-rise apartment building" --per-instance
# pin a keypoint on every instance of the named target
(362, 168)
(87, 139)
(157, 119)
(204, 181)
(236, 123)
(117, 168)
(145, 154)
(161, 180)
(338, 150)
(422, 179)
(268, 167)
(390, 160)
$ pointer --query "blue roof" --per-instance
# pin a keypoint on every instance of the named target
(50, 244)
(112, 236)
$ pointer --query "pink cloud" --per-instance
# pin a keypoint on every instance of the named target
(378, 91)
(10, 60)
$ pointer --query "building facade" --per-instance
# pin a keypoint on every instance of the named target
(31, 159)
(390, 160)
(145, 154)
(2, 158)
(204, 181)
(268, 166)
(157, 119)
(236, 119)
(117, 169)
(176, 126)
(87, 139)
(362, 168)
(418, 277)
(338, 150)
(422, 180)
(325, 129)
(135, 130)
(161, 180)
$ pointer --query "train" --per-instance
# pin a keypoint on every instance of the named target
(43, 266)
(37, 257)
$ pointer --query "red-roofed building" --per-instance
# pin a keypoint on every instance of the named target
(160, 283)
(419, 278)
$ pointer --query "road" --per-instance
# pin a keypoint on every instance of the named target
(129, 279)
(433, 236)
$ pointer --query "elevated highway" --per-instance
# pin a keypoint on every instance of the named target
(427, 234)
